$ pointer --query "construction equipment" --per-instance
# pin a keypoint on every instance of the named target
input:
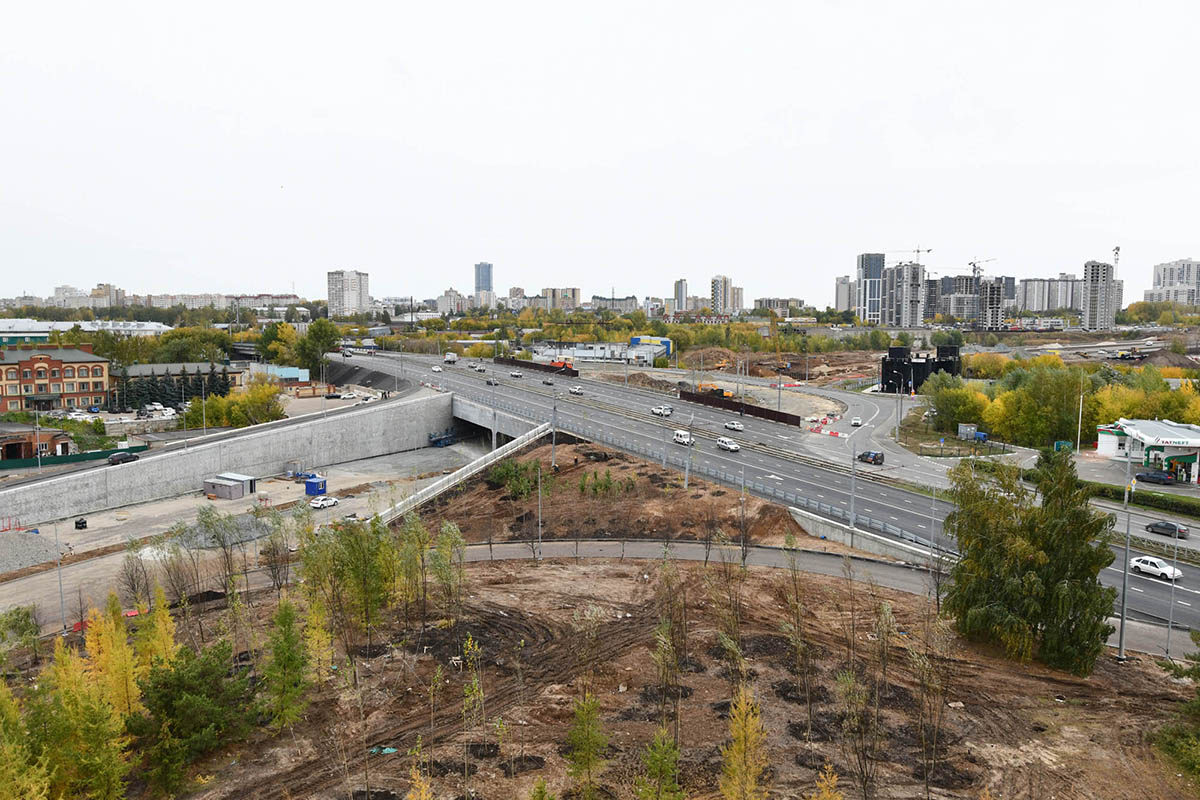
(712, 388)
(916, 251)
(775, 336)
(975, 269)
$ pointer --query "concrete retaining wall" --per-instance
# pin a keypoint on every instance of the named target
(373, 430)
(858, 538)
(478, 413)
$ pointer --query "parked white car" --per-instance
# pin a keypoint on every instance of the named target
(1156, 567)
(725, 443)
(324, 501)
(734, 425)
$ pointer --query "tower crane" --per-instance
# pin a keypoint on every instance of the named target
(916, 251)
(975, 270)
(1116, 258)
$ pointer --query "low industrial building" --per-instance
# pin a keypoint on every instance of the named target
(902, 370)
(640, 351)
(1153, 444)
(17, 440)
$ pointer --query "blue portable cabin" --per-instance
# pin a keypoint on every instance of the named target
(314, 486)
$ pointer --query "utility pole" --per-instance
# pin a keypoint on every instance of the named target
(553, 433)
(1171, 612)
(37, 434)
(687, 465)
(1125, 569)
(493, 416)
(853, 475)
(664, 460)
(1079, 425)
(62, 603)
(539, 547)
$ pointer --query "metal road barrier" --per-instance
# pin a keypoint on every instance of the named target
(470, 470)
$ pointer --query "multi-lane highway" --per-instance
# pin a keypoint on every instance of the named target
(777, 461)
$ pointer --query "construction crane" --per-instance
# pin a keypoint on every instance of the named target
(976, 271)
(916, 251)
(1116, 258)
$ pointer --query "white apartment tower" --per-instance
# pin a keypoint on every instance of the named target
(903, 298)
(1100, 296)
(349, 293)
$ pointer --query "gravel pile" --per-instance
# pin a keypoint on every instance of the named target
(19, 549)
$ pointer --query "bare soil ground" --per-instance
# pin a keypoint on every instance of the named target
(1024, 732)
(647, 502)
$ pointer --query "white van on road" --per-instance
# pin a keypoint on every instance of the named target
(683, 437)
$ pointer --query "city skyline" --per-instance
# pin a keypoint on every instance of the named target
(662, 147)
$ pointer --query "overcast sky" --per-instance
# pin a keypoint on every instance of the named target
(239, 147)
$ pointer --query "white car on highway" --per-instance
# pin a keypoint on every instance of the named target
(437, 368)
(324, 501)
(856, 422)
(661, 411)
(514, 374)
(734, 425)
(1155, 566)
(576, 390)
(725, 443)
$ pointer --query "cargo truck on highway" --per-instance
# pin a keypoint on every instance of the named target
(450, 358)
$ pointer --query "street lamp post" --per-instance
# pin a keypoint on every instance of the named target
(539, 547)
(37, 434)
(1171, 611)
(62, 604)
(493, 416)
(1125, 569)
(553, 433)
(687, 465)
(853, 476)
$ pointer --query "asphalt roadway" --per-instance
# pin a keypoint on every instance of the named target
(786, 458)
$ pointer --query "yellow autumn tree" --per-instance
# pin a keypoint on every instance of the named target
(20, 774)
(111, 662)
(419, 788)
(156, 638)
(318, 641)
(827, 785)
(90, 758)
(745, 757)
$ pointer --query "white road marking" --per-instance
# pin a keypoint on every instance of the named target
(1182, 603)
(1136, 589)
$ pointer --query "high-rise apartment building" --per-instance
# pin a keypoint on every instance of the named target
(1100, 296)
(1174, 282)
(843, 297)
(483, 277)
(721, 294)
(1039, 295)
(779, 305)
(991, 303)
(933, 298)
(869, 294)
(902, 303)
(567, 299)
(349, 293)
(681, 294)
(739, 300)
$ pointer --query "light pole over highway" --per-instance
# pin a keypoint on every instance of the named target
(1125, 567)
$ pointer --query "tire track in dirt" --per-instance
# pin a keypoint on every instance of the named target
(551, 656)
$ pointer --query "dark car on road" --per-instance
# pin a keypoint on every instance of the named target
(1156, 476)
(122, 458)
(871, 457)
(1168, 529)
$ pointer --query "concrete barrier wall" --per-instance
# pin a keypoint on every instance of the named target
(509, 424)
(858, 538)
(372, 430)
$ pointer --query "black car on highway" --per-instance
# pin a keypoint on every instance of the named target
(122, 458)
(1168, 528)
(1156, 476)
(871, 457)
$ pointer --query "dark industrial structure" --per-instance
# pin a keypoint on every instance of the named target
(904, 371)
